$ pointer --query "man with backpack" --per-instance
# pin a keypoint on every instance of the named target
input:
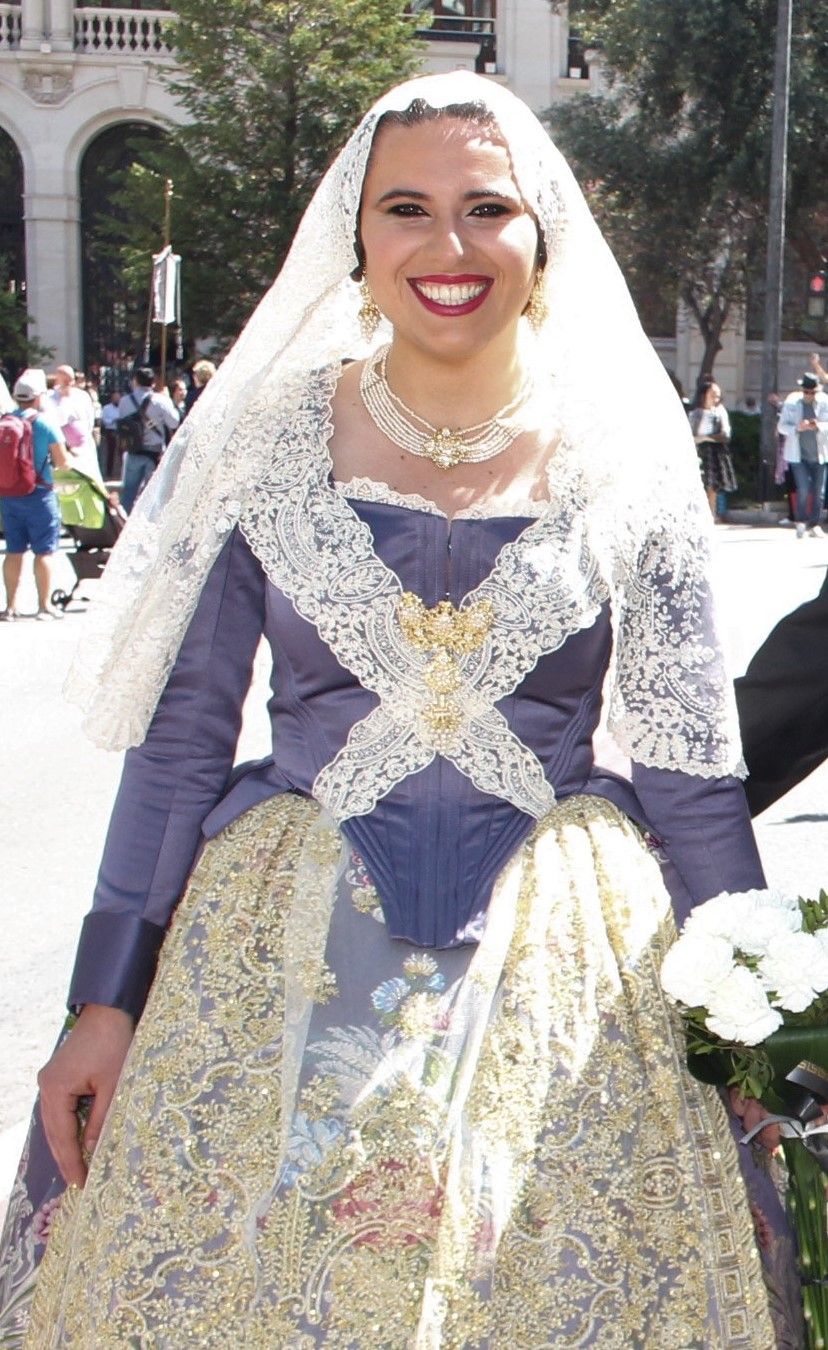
(144, 419)
(30, 447)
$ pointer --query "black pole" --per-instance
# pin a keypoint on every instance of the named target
(774, 271)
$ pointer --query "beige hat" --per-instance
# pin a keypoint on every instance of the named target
(30, 385)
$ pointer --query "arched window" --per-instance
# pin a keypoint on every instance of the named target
(12, 239)
(114, 313)
(12, 235)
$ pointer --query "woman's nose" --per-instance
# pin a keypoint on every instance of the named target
(449, 242)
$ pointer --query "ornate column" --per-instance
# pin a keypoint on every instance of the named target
(53, 266)
(528, 41)
(62, 25)
(33, 25)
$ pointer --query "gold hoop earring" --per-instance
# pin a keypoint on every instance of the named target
(369, 314)
(537, 310)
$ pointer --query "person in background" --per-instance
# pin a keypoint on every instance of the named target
(817, 368)
(710, 425)
(72, 409)
(178, 394)
(783, 711)
(109, 455)
(32, 522)
(158, 416)
(803, 421)
(90, 387)
(203, 372)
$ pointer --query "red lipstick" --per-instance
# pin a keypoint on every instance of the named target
(448, 310)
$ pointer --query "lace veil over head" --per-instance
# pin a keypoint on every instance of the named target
(606, 390)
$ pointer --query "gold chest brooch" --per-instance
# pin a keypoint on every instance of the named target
(448, 634)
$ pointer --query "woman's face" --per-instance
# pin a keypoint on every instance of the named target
(450, 246)
(712, 396)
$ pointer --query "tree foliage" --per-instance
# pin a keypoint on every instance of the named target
(17, 348)
(272, 89)
(676, 154)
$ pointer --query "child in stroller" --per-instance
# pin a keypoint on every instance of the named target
(94, 521)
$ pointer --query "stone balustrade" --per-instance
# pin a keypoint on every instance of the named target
(10, 27)
(123, 32)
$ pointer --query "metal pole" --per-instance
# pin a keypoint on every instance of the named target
(774, 273)
(168, 192)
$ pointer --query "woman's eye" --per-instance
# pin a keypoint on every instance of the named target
(490, 209)
(406, 209)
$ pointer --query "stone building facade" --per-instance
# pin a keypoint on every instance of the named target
(71, 73)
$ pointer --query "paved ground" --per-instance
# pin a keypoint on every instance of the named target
(56, 791)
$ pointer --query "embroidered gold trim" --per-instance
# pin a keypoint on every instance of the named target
(512, 1158)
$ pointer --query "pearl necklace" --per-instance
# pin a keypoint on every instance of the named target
(444, 447)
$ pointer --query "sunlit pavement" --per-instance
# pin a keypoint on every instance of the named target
(57, 790)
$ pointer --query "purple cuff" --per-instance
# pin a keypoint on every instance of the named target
(704, 828)
(115, 962)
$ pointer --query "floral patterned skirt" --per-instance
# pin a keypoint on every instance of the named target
(717, 466)
(327, 1137)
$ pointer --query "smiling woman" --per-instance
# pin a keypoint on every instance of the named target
(405, 1076)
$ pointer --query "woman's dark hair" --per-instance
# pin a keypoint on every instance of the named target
(418, 112)
(704, 383)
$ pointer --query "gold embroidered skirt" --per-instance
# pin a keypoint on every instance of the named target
(327, 1137)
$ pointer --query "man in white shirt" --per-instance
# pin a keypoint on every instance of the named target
(72, 411)
(803, 422)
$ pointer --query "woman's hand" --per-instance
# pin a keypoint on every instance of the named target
(87, 1064)
(751, 1112)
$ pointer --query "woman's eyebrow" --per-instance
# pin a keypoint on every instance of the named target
(473, 195)
(402, 192)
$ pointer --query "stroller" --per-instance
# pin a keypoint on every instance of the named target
(93, 523)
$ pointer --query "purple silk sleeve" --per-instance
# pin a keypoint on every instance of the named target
(704, 828)
(434, 825)
(169, 785)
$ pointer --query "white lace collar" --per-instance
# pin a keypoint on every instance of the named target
(437, 691)
(370, 490)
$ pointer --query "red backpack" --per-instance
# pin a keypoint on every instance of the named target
(18, 475)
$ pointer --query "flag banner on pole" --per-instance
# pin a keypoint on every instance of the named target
(166, 268)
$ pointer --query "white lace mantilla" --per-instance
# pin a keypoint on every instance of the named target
(369, 490)
(646, 519)
(544, 586)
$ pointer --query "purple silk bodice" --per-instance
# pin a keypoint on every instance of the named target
(435, 843)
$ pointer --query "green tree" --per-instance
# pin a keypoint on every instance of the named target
(272, 89)
(676, 155)
(17, 348)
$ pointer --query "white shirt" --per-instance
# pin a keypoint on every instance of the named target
(789, 418)
(74, 411)
(109, 416)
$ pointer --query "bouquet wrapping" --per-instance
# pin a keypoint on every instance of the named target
(749, 974)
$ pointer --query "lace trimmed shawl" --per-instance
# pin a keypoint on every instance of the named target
(627, 516)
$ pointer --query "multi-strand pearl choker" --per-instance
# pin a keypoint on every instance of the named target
(443, 446)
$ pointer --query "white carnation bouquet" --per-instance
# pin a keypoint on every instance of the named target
(744, 966)
(749, 973)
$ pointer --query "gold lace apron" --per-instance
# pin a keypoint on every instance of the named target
(326, 1137)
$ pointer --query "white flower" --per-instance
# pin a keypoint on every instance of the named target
(694, 967)
(739, 1009)
(716, 917)
(795, 970)
(750, 920)
(764, 926)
